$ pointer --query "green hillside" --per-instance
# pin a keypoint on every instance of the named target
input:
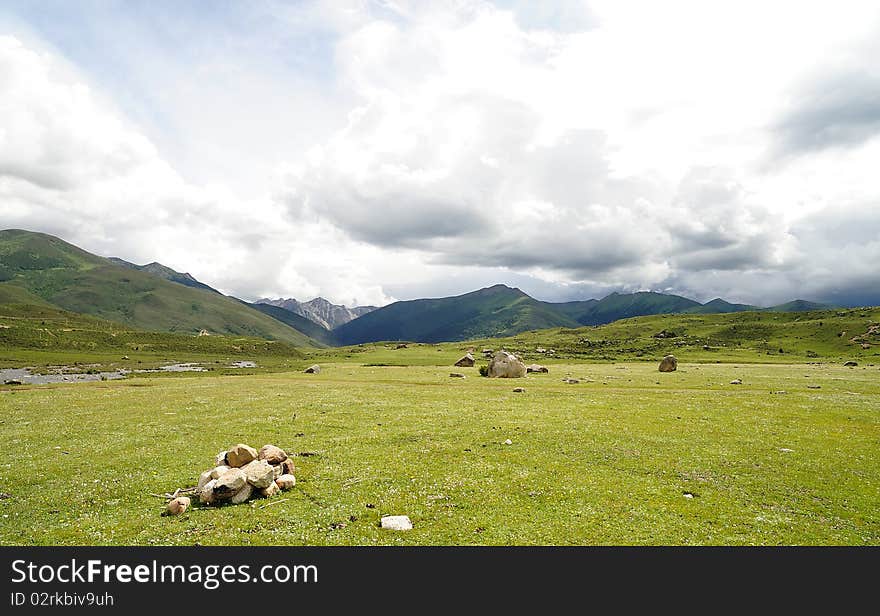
(45, 270)
(765, 336)
(494, 311)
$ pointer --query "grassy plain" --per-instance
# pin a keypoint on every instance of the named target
(609, 460)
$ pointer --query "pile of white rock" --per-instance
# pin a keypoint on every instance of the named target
(242, 473)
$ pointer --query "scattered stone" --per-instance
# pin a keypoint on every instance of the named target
(570, 381)
(688, 495)
(259, 473)
(240, 455)
(396, 522)
(12, 382)
(272, 454)
(669, 364)
(786, 450)
(851, 364)
(400, 346)
(177, 506)
(456, 375)
(288, 467)
(508, 442)
(665, 334)
(814, 387)
(125, 357)
(316, 369)
(466, 362)
(506, 365)
(285, 482)
(736, 382)
(781, 392)
(537, 368)
(519, 390)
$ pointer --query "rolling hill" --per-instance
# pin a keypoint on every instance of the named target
(502, 311)
(490, 312)
(42, 270)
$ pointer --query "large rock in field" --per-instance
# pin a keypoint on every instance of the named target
(669, 364)
(316, 369)
(240, 455)
(272, 454)
(506, 365)
(259, 473)
(465, 362)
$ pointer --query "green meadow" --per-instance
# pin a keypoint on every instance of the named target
(626, 456)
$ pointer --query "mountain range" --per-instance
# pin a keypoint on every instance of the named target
(39, 271)
(319, 310)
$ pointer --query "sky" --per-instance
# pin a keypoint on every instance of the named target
(372, 151)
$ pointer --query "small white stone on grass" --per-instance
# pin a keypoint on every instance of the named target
(396, 522)
(508, 442)
(786, 450)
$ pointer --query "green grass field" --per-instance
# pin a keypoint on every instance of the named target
(605, 461)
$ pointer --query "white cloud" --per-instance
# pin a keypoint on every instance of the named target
(367, 150)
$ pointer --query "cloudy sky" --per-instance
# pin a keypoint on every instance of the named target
(372, 151)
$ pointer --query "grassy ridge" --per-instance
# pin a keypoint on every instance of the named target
(745, 336)
(73, 280)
